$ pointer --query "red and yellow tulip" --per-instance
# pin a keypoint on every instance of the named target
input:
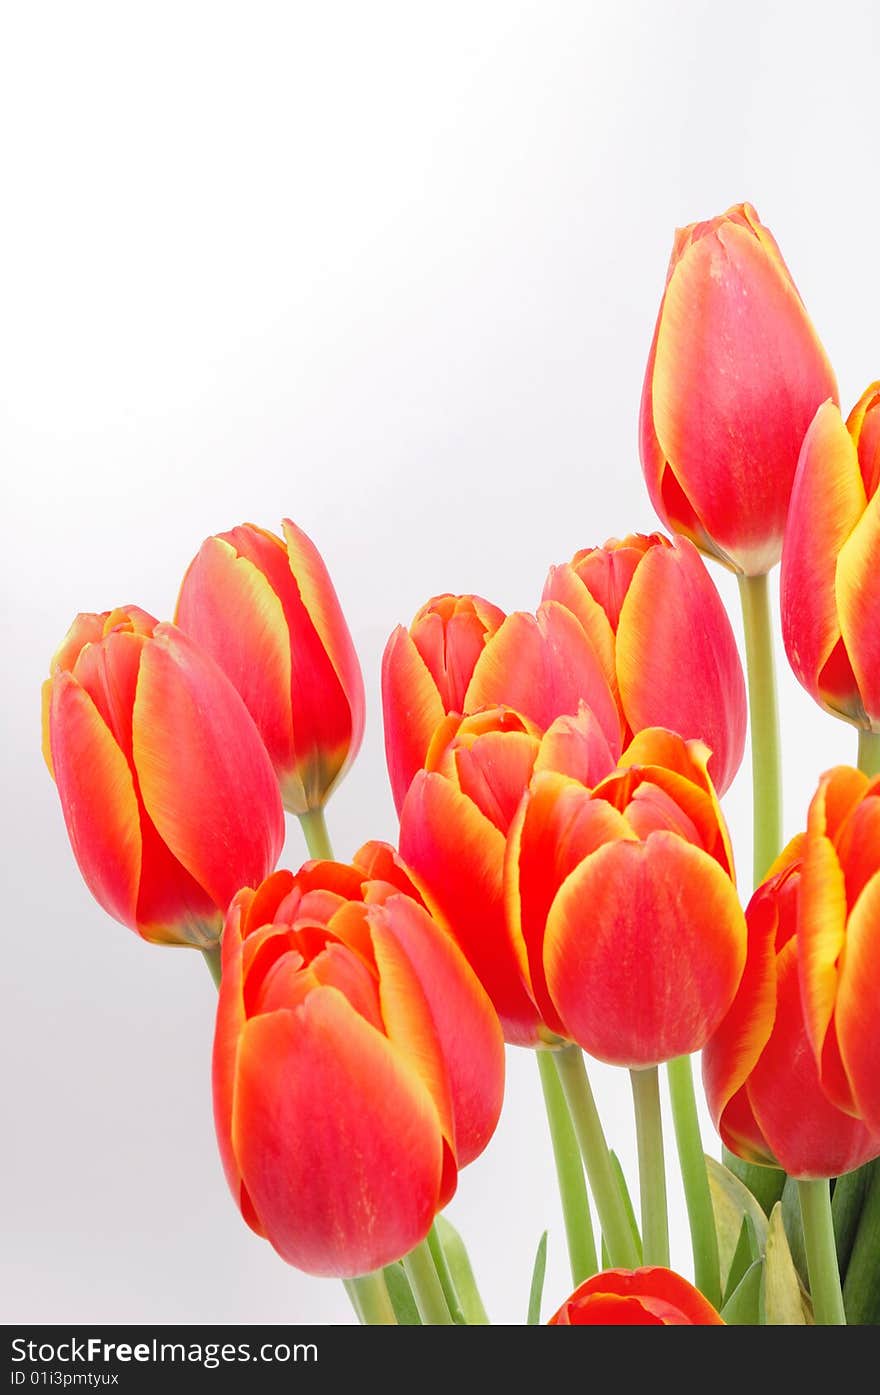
(762, 1082)
(453, 834)
(647, 1297)
(265, 609)
(621, 906)
(734, 377)
(358, 1064)
(830, 601)
(168, 794)
(658, 624)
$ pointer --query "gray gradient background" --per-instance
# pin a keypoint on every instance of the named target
(391, 270)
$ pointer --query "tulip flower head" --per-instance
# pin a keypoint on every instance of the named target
(169, 798)
(358, 1064)
(830, 604)
(660, 629)
(734, 377)
(265, 609)
(646, 1297)
(621, 905)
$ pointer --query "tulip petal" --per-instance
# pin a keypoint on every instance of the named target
(319, 1085)
(412, 711)
(578, 747)
(863, 425)
(673, 609)
(856, 1010)
(644, 950)
(664, 1297)
(858, 605)
(98, 799)
(544, 666)
(206, 779)
(564, 585)
(456, 856)
(494, 772)
(228, 1026)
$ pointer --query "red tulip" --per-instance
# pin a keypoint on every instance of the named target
(829, 598)
(357, 1063)
(425, 675)
(621, 905)
(453, 830)
(659, 626)
(761, 1079)
(839, 940)
(648, 1297)
(734, 377)
(169, 797)
(266, 610)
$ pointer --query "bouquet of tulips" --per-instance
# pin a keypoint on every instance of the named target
(563, 879)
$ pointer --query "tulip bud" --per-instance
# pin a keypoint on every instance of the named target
(647, 1297)
(169, 798)
(656, 621)
(357, 1063)
(266, 611)
(829, 598)
(734, 377)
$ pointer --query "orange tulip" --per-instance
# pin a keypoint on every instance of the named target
(426, 671)
(648, 1297)
(659, 626)
(761, 1078)
(266, 611)
(734, 377)
(621, 906)
(839, 940)
(169, 797)
(357, 1063)
(453, 829)
(829, 598)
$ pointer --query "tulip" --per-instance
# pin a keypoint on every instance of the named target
(761, 1078)
(829, 599)
(266, 611)
(169, 798)
(659, 627)
(453, 831)
(734, 377)
(621, 905)
(357, 1063)
(839, 941)
(425, 675)
(646, 1297)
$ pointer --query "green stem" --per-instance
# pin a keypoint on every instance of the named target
(569, 1174)
(695, 1179)
(825, 1291)
(314, 826)
(212, 959)
(754, 596)
(447, 1282)
(370, 1300)
(869, 753)
(652, 1165)
(426, 1286)
(594, 1150)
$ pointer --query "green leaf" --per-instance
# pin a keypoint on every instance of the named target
(537, 1287)
(847, 1201)
(462, 1274)
(731, 1202)
(400, 1293)
(627, 1203)
(743, 1307)
(861, 1289)
(744, 1256)
(785, 1303)
(794, 1228)
(764, 1183)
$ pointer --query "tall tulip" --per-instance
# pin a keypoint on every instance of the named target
(646, 1297)
(829, 597)
(621, 906)
(265, 609)
(357, 1063)
(453, 830)
(426, 670)
(735, 374)
(169, 798)
(667, 647)
(762, 1082)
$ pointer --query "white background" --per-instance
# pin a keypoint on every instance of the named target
(391, 270)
